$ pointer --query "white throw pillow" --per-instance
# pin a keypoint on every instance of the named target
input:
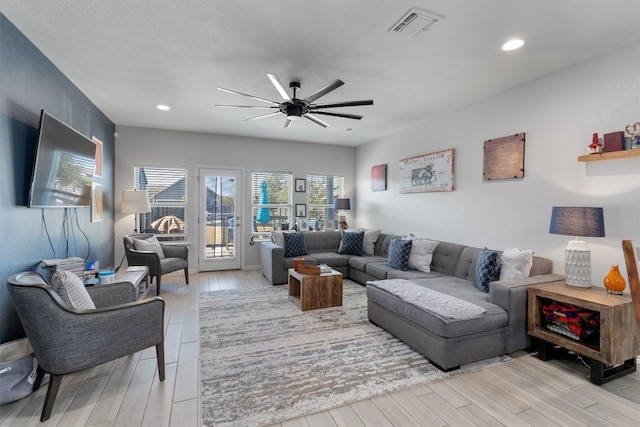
(422, 254)
(516, 263)
(71, 290)
(369, 241)
(151, 245)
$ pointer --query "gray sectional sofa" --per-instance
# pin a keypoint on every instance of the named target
(447, 344)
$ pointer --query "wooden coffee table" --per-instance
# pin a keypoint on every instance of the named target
(311, 291)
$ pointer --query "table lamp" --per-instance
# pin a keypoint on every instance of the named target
(579, 222)
(342, 204)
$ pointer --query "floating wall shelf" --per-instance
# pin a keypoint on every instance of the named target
(623, 154)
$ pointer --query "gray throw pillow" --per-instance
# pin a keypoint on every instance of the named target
(151, 245)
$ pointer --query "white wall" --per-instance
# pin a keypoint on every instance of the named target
(142, 146)
(558, 113)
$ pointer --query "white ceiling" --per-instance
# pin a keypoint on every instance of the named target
(128, 56)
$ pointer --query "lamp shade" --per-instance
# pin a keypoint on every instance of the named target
(135, 202)
(342, 204)
(577, 221)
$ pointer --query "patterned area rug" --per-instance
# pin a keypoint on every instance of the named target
(264, 361)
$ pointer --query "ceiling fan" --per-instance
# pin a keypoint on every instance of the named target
(294, 108)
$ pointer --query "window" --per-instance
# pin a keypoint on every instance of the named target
(321, 192)
(167, 189)
(270, 201)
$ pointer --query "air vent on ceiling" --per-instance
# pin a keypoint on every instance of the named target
(415, 23)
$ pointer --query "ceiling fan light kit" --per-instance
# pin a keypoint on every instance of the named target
(294, 108)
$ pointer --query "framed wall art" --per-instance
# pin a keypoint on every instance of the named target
(301, 185)
(428, 172)
(301, 210)
(504, 158)
(379, 178)
(98, 168)
(96, 202)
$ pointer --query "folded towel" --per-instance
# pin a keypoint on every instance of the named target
(445, 307)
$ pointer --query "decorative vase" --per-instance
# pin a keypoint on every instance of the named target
(614, 282)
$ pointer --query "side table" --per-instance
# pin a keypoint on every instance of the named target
(311, 292)
(138, 275)
(613, 353)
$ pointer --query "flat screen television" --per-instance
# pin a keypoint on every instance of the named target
(63, 166)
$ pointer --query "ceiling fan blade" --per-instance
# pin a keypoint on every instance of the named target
(250, 96)
(281, 90)
(262, 116)
(324, 90)
(316, 120)
(347, 116)
(260, 107)
(287, 123)
(343, 104)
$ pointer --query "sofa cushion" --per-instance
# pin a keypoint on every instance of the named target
(422, 254)
(151, 244)
(411, 274)
(360, 262)
(369, 241)
(399, 251)
(487, 269)
(294, 245)
(445, 257)
(516, 263)
(71, 289)
(378, 269)
(351, 242)
(332, 259)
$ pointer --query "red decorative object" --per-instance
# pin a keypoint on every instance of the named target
(595, 146)
(613, 141)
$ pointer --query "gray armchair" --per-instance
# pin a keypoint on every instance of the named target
(67, 340)
(175, 257)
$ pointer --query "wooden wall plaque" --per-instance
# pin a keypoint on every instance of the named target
(504, 158)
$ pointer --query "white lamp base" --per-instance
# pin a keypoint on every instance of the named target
(577, 264)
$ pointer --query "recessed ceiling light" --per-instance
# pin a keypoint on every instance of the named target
(513, 44)
(163, 107)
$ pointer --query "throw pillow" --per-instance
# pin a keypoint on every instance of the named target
(294, 245)
(487, 269)
(277, 237)
(369, 241)
(150, 245)
(399, 251)
(516, 263)
(351, 242)
(71, 289)
(422, 254)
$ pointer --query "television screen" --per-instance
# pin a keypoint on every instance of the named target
(63, 167)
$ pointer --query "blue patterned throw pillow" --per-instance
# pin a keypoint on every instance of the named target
(487, 269)
(399, 251)
(351, 242)
(294, 245)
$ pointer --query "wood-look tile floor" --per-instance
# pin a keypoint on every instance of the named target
(523, 392)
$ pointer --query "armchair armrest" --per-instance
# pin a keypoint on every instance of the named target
(512, 296)
(175, 251)
(148, 258)
(112, 294)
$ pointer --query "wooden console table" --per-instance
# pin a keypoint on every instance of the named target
(613, 353)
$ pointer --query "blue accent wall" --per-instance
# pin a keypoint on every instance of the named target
(29, 83)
